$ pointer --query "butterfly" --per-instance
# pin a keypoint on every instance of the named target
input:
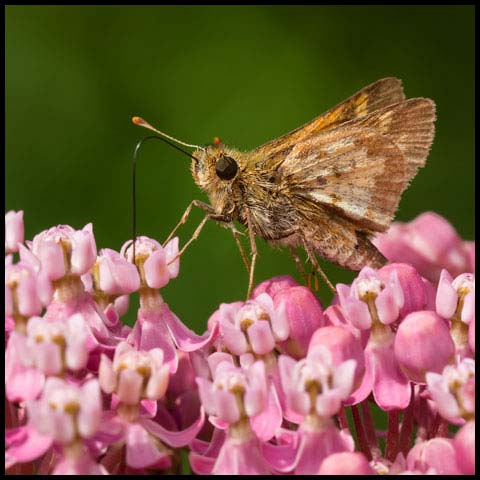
(328, 186)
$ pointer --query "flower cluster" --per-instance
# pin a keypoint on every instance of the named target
(277, 384)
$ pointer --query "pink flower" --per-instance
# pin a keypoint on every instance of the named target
(233, 393)
(373, 303)
(274, 285)
(423, 344)
(304, 315)
(313, 443)
(113, 275)
(52, 347)
(229, 455)
(134, 375)
(456, 302)
(315, 385)
(429, 243)
(346, 463)
(418, 293)
(274, 373)
(342, 345)
(64, 251)
(451, 292)
(471, 335)
(21, 382)
(157, 264)
(234, 399)
(68, 417)
(464, 444)
(70, 298)
(453, 391)
(66, 411)
(137, 378)
(145, 441)
(437, 454)
(182, 392)
(255, 326)
(156, 325)
(369, 289)
(383, 375)
(82, 463)
(26, 292)
(14, 230)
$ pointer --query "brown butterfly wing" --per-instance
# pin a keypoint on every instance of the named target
(362, 167)
(346, 182)
(377, 95)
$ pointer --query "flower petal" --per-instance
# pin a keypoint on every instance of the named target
(178, 438)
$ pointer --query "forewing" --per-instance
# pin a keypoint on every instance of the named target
(355, 172)
(380, 94)
(361, 168)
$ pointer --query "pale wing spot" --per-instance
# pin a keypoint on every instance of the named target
(356, 210)
(335, 146)
(385, 121)
(361, 105)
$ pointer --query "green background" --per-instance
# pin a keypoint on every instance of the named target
(76, 75)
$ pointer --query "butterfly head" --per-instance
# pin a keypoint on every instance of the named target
(214, 169)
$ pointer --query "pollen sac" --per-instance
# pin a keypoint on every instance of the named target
(226, 168)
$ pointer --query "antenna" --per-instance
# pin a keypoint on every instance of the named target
(142, 123)
(134, 169)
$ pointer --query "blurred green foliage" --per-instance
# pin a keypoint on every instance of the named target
(76, 75)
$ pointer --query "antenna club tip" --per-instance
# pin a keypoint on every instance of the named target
(138, 120)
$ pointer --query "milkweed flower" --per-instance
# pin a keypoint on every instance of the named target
(157, 325)
(372, 303)
(66, 416)
(435, 456)
(453, 391)
(137, 379)
(429, 243)
(455, 301)
(27, 292)
(14, 231)
(252, 327)
(65, 251)
(232, 398)
(464, 444)
(423, 344)
(315, 388)
(277, 375)
(346, 463)
(54, 347)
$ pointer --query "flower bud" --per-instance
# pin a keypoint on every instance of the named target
(342, 346)
(14, 230)
(412, 285)
(274, 285)
(346, 463)
(464, 444)
(304, 314)
(423, 344)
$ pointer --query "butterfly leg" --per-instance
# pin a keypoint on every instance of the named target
(253, 249)
(299, 264)
(235, 233)
(197, 203)
(196, 233)
(313, 259)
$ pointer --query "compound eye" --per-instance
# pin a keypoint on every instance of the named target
(226, 168)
